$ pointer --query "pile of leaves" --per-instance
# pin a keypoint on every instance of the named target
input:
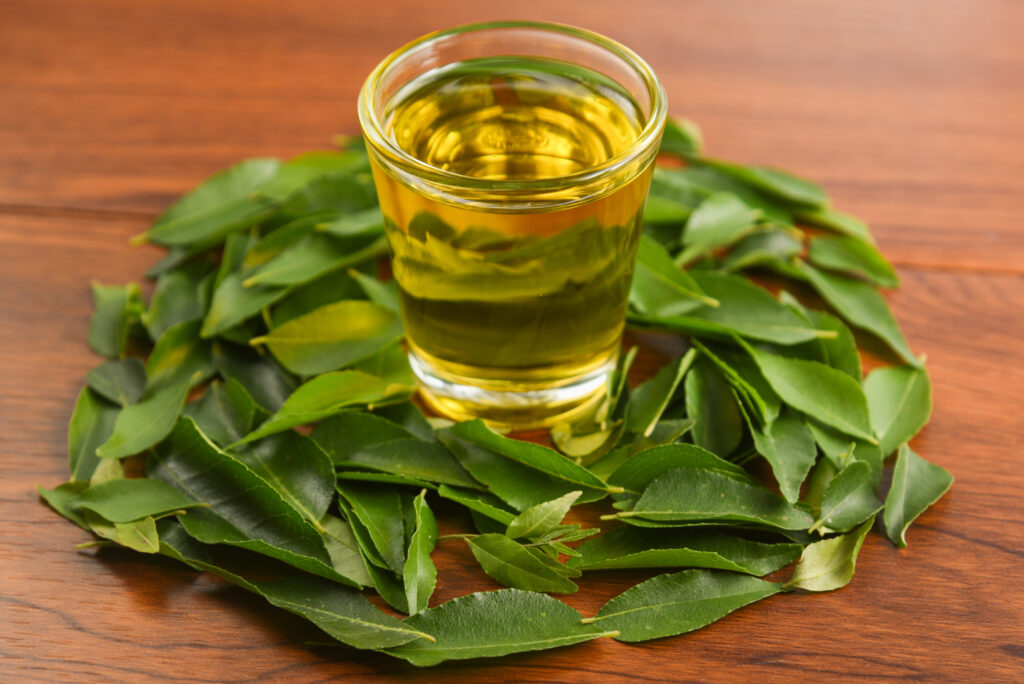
(268, 318)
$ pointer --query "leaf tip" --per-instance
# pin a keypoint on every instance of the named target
(139, 240)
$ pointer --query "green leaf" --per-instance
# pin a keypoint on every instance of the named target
(817, 482)
(629, 547)
(343, 192)
(332, 336)
(419, 574)
(706, 180)
(140, 535)
(841, 449)
(328, 394)
(379, 509)
(121, 381)
(313, 257)
(222, 204)
(92, 424)
(384, 295)
(682, 138)
(60, 497)
(720, 220)
(829, 564)
(362, 222)
(512, 565)
(640, 470)
(122, 501)
(647, 403)
(718, 425)
(660, 287)
(341, 612)
(179, 356)
(479, 502)
(245, 511)
(535, 456)
(234, 303)
(667, 213)
(331, 288)
(788, 446)
(779, 184)
(699, 494)
(114, 308)
(854, 257)
(180, 295)
(681, 602)
(225, 413)
(916, 485)
(751, 311)
(900, 403)
(829, 395)
(297, 468)
(261, 376)
(838, 222)
(363, 440)
(542, 518)
(140, 426)
(839, 352)
(746, 378)
(467, 627)
(343, 549)
(849, 498)
(765, 247)
(860, 304)
(300, 171)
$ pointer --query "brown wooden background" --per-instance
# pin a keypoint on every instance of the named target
(911, 113)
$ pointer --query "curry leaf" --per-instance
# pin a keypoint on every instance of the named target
(829, 564)
(180, 356)
(838, 222)
(180, 295)
(762, 248)
(916, 485)
(721, 219)
(678, 603)
(849, 499)
(660, 287)
(479, 502)
(718, 426)
(852, 256)
(121, 381)
(379, 509)
(900, 402)
(91, 425)
(647, 403)
(115, 306)
(332, 336)
(682, 138)
(788, 446)
(297, 468)
(261, 376)
(125, 500)
(512, 565)
(315, 256)
(780, 184)
(542, 518)
(140, 426)
(419, 574)
(466, 627)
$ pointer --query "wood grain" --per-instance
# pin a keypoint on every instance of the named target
(908, 112)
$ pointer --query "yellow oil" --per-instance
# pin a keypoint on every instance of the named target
(513, 299)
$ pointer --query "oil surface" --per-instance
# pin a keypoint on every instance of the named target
(512, 300)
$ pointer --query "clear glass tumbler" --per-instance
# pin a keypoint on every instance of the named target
(512, 161)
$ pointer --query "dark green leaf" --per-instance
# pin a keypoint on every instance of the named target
(842, 449)
(542, 518)
(479, 502)
(775, 182)
(140, 426)
(718, 425)
(313, 257)
(382, 294)
(860, 304)
(628, 547)
(745, 377)
(122, 381)
(788, 446)
(60, 498)
(698, 494)
(763, 248)
(115, 307)
(817, 483)
(300, 171)
(916, 485)
(660, 287)
(245, 510)
(343, 549)
(836, 221)
(179, 356)
(681, 602)
(682, 138)
(419, 574)
(667, 215)
(333, 287)
(262, 377)
(849, 499)
(829, 395)
(900, 403)
(222, 204)
(852, 256)
(379, 509)
(829, 564)
(297, 468)
(647, 403)
(121, 501)
(839, 352)
(332, 336)
(328, 394)
(92, 424)
(180, 295)
(705, 179)
(720, 220)
(225, 413)
(343, 192)
(233, 303)
(512, 565)
(466, 627)
(639, 471)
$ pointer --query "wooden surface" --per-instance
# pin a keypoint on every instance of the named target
(911, 113)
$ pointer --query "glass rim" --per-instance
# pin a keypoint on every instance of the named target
(383, 144)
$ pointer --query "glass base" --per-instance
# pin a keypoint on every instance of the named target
(529, 408)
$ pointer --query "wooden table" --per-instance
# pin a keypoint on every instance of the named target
(911, 114)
